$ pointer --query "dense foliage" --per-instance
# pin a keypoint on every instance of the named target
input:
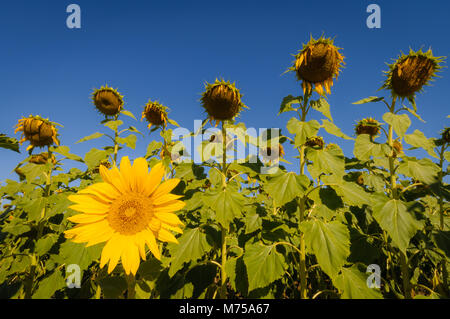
(250, 233)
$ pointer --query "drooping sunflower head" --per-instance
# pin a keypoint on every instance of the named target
(222, 101)
(317, 64)
(368, 126)
(107, 100)
(129, 210)
(315, 142)
(409, 73)
(155, 114)
(38, 131)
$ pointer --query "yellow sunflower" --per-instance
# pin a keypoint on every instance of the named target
(317, 63)
(131, 208)
(38, 131)
(409, 73)
(155, 114)
(107, 100)
(222, 101)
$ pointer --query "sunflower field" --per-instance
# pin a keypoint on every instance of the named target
(155, 225)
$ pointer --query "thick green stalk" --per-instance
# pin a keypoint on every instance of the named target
(441, 213)
(302, 208)
(224, 183)
(131, 282)
(394, 191)
(28, 286)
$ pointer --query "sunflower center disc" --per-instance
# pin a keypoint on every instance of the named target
(130, 214)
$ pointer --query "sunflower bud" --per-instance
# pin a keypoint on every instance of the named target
(222, 101)
(155, 114)
(38, 131)
(368, 126)
(41, 159)
(269, 151)
(317, 63)
(397, 148)
(360, 180)
(104, 163)
(411, 72)
(315, 142)
(108, 101)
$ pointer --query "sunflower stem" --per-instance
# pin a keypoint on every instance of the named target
(441, 214)
(116, 144)
(301, 203)
(394, 194)
(40, 229)
(131, 282)
(224, 230)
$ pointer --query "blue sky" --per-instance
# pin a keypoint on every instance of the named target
(166, 50)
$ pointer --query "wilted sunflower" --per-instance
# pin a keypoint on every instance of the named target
(222, 101)
(155, 114)
(317, 64)
(38, 131)
(128, 210)
(368, 126)
(107, 100)
(409, 73)
(315, 142)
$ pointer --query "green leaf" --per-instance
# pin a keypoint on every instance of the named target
(352, 194)
(286, 104)
(130, 141)
(400, 123)
(369, 100)
(394, 218)
(65, 151)
(227, 204)
(49, 285)
(418, 139)
(113, 125)
(192, 246)
(152, 148)
(330, 160)
(128, 113)
(447, 156)
(264, 265)
(253, 222)
(329, 242)
(364, 148)
(302, 130)
(332, 129)
(9, 143)
(323, 107)
(94, 157)
(284, 187)
(113, 287)
(33, 171)
(352, 284)
(44, 244)
(90, 137)
(35, 207)
(423, 170)
(73, 253)
(173, 122)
